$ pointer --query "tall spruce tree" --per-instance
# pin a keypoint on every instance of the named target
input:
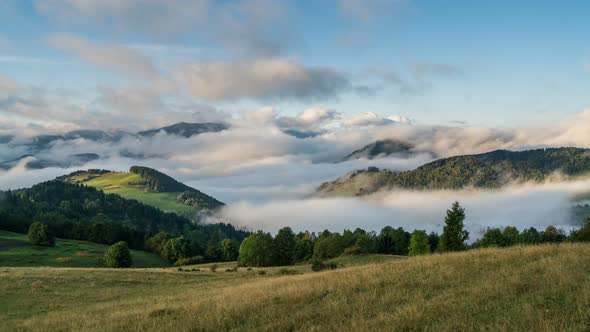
(454, 236)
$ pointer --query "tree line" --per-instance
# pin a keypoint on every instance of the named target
(287, 248)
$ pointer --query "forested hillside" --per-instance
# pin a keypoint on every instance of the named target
(75, 211)
(148, 186)
(487, 170)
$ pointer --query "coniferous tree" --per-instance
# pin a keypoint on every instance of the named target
(454, 236)
(284, 244)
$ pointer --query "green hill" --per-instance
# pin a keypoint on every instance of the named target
(79, 212)
(535, 288)
(147, 186)
(487, 170)
(15, 250)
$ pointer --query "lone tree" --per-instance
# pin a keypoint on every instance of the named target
(39, 235)
(118, 255)
(257, 250)
(419, 244)
(454, 236)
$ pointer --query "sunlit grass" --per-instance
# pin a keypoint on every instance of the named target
(541, 288)
(119, 183)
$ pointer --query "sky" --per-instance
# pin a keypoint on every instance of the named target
(491, 63)
(447, 77)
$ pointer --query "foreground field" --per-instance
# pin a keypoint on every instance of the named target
(524, 288)
(16, 251)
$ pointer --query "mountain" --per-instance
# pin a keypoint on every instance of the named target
(149, 186)
(187, 129)
(302, 134)
(487, 170)
(382, 148)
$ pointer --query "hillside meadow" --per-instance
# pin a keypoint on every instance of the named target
(16, 251)
(535, 288)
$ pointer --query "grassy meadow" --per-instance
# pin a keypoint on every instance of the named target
(536, 288)
(118, 183)
(15, 251)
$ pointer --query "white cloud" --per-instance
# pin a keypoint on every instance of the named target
(116, 58)
(8, 86)
(372, 119)
(260, 78)
(310, 118)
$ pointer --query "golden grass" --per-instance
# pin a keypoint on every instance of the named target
(541, 288)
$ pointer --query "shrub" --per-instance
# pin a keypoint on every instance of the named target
(354, 250)
(213, 267)
(249, 269)
(39, 235)
(230, 270)
(190, 261)
(262, 272)
(118, 255)
(180, 269)
(318, 265)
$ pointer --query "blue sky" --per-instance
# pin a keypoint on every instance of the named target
(491, 63)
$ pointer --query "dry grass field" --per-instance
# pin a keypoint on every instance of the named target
(540, 288)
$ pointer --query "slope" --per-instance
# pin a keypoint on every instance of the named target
(537, 288)
(15, 250)
(147, 186)
(487, 170)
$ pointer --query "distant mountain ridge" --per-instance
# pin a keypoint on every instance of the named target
(487, 170)
(382, 148)
(36, 145)
(187, 130)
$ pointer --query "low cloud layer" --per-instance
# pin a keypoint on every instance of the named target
(523, 207)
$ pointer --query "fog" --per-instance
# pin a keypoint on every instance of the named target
(521, 206)
(267, 176)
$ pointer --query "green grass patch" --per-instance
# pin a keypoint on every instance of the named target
(119, 183)
(15, 251)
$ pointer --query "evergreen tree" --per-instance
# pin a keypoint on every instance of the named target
(284, 244)
(229, 250)
(419, 244)
(454, 236)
